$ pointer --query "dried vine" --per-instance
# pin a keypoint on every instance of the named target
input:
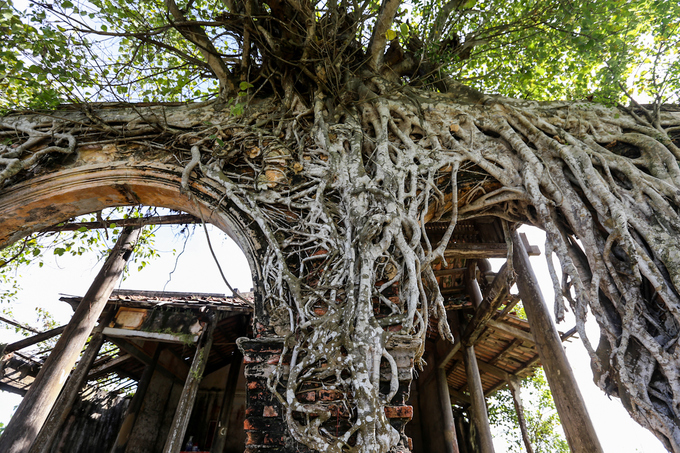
(342, 197)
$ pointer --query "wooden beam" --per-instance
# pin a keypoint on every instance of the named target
(108, 367)
(171, 366)
(148, 336)
(532, 250)
(454, 350)
(506, 350)
(452, 271)
(510, 305)
(491, 369)
(512, 330)
(11, 322)
(67, 397)
(476, 251)
(179, 219)
(459, 396)
(8, 388)
(222, 430)
(167, 294)
(571, 408)
(479, 411)
(178, 428)
(471, 284)
(37, 404)
(30, 341)
(487, 308)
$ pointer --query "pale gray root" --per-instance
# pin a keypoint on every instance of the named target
(342, 204)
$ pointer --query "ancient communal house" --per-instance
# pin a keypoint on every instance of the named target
(163, 371)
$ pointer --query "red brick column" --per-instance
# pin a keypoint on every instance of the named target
(265, 427)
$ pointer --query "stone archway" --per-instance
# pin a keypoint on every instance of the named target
(86, 187)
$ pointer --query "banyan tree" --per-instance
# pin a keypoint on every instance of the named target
(336, 132)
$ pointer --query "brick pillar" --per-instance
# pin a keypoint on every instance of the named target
(265, 427)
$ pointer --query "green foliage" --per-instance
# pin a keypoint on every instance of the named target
(558, 49)
(35, 249)
(106, 50)
(40, 64)
(543, 423)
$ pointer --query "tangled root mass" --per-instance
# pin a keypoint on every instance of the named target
(342, 198)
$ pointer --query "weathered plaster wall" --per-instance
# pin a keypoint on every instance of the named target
(155, 416)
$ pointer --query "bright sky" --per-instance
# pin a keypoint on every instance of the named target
(196, 271)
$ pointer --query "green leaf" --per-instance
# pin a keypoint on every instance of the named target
(244, 86)
(404, 29)
(82, 229)
(237, 109)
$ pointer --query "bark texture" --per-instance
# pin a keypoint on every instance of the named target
(341, 194)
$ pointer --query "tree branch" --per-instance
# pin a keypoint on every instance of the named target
(376, 47)
(198, 36)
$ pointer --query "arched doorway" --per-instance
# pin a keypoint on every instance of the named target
(65, 193)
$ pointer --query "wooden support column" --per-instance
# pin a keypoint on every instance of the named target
(464, 434)
(67, 397)
(479, 413)
(135, 405)
(450, 440)
(227, 403)
(180, 422)
(571, 408)
(515, 387)
(39, 400)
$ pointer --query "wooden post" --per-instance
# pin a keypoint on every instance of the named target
(135, 405)
(227, 403)
(180, 422)
(67, 397)
(37, 404)
(450, 440)
(479, 413)
(571, 408)
(515, 387)
(464, 434)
